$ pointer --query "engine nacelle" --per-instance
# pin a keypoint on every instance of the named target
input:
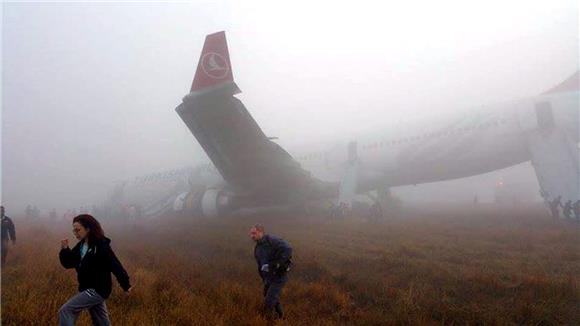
(214, 202)
(206, 203)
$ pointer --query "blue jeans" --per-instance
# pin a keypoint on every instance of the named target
(87, 299)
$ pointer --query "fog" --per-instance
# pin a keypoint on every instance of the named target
(89, 90)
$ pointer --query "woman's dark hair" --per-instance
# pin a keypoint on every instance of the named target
(96, 233)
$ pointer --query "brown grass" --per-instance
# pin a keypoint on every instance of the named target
(436, 266)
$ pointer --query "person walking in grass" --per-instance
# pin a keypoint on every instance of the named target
(274, 257)
(94, 261)
(577, 209)
(555, 206)
(568, 209)
(8, 233)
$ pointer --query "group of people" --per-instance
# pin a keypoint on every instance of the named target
(568, 208)
(338, 211)
(94, 261)
(32, 211)
(375, 211)
(69, 214)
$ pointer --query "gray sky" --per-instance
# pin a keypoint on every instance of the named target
(89, 90)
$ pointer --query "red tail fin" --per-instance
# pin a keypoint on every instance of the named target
(214, 66)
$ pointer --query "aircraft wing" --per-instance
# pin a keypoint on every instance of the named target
(232, 139)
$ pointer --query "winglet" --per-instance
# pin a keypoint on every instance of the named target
(568, 85)
(213, 68)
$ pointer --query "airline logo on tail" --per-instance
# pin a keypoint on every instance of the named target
(214, 65)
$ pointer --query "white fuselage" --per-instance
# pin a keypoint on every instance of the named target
(444, 147)
(431, 149)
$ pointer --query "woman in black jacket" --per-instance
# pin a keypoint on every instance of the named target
(94, 261)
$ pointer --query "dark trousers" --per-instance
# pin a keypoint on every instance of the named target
(4, 250)
(272, 291)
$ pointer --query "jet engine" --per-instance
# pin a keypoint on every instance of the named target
(204, 202)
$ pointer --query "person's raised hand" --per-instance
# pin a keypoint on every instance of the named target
(64, 243)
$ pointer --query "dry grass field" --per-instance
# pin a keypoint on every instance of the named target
(439, 266)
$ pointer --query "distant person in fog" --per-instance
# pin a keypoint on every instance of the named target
(567, 209)
(577, 209)
(333, 210)
(376, 211)
(8, 234)
(35, 212)
(554, 207)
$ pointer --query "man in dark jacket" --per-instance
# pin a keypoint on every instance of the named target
(273, 257)
(8, 233)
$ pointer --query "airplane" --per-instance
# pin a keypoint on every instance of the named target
(250, 170)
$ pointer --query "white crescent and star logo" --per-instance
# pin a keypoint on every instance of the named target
(214, 65)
